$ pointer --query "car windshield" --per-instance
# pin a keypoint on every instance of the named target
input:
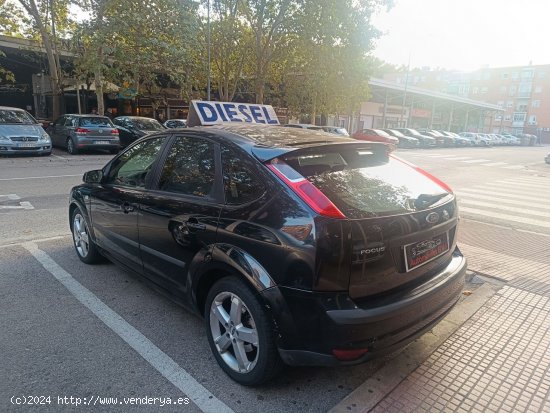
(95, 121)
(15, 116)
(397, 133)
(381, 133)
(146, 124)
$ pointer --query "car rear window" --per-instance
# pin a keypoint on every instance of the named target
(363, 183)
(95, 121)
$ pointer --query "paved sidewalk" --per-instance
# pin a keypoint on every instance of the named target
(498, 361)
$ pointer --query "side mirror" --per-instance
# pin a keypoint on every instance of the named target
(93, 177)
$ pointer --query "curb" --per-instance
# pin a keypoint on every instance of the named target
(381, 383)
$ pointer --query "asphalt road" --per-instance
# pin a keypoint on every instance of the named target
(99, 332)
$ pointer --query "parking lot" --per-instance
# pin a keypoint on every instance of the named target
(98, 333)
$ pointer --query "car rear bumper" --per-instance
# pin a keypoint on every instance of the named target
(39, 149)
(323, 323)
(98, 142)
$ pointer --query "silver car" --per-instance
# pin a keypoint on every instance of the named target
(20, 133)
(78, 132)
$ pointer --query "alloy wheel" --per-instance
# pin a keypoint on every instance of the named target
(234, 332)
(80, 235)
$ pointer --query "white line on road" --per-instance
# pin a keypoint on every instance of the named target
(463, 196)
(22, 205)
(518, 189)
(474, 192)
(60, 157)
(506, 217)
(163, 363)
(477, 161)
(500, 207)
(37, 177)
(12, 197)
(495, 164)
(541, 185)
(18, 243)
(514, 167)
(458, 158)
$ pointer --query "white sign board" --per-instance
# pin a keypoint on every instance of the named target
(213, 113)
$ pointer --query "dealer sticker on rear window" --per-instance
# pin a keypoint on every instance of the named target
(420, 253)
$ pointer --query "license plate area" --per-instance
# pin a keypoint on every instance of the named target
(420, 253)
(26, 145)
(101, 142)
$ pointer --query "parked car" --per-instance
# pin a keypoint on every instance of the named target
(425, 140)
(175, 123)
(335, 130)
(459, 140)
(375, 135)
(477, 139)
(353, 254)
(511, 139)
(303, 126)
(440, 139)
(132, 128)
(20, 133)
(78, 132)
(404, 141)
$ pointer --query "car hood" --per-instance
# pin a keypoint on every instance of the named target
(21, 130)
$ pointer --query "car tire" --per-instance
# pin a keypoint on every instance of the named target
(233, 309)
(85, 247)
(71, 147)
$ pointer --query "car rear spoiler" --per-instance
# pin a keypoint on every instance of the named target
(265, 154)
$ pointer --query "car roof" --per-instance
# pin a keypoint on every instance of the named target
(85, 115)
(267, 142)
(11, 108)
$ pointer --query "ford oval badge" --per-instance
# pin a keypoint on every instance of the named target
(432, 217)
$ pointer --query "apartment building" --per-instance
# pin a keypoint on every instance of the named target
(522, 91)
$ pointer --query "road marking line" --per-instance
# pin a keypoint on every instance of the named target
(541, 185)
(159, 360)
(474, 192)
(20, 243)
(38, 177)
(12, 197)
(495, 164)
(514, 167)
(22, 205)
(499, 207)
(517, 189)
(477, 161)
(60, 157)
(462, 196)
(506, 217)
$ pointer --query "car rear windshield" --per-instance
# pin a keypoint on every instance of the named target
(146, 124)
(364, 183)
(95, 121)
(15, 116)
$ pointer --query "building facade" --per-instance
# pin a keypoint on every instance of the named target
(522, 91)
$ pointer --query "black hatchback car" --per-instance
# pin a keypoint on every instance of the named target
(296, 246)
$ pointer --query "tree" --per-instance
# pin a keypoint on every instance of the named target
(329, 69)
(135, 42)
(45, 16)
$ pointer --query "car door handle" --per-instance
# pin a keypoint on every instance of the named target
(127, 207)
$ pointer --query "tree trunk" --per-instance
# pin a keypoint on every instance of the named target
(99, 92)
(32, 9)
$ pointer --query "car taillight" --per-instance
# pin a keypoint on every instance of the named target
(426, 174)
(82, 130)
(114, 131)
(308, 192)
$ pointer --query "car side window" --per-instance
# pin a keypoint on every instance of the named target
(241, 182)
(133, 166)
(189, 168)
(69, 121)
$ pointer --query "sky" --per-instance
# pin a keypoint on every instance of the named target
(465, 35)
